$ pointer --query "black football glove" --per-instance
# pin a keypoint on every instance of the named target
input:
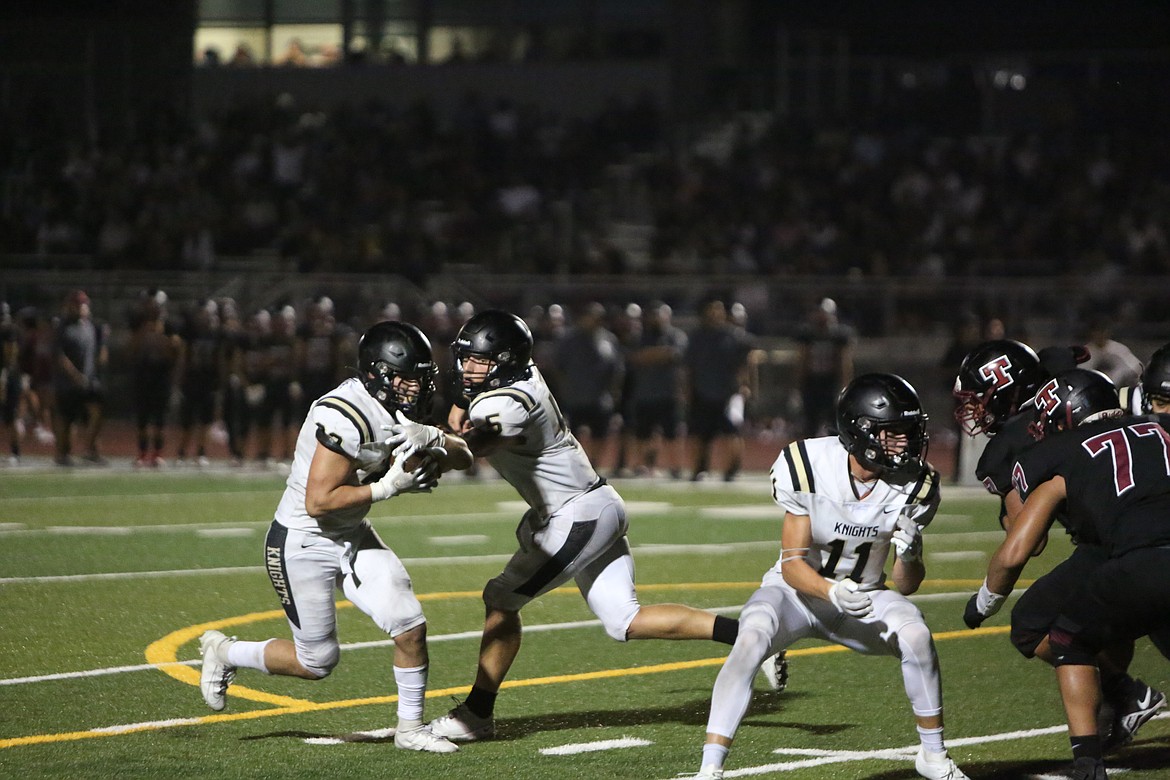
(981, 606)
(971, 615)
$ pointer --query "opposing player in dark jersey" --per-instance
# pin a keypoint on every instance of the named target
(1111, 473)
(995, 391)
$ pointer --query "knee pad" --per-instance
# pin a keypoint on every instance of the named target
(319, 656)
(915, 637)
(752, 643)
(617, 620)
(497, 595)
(758, 617)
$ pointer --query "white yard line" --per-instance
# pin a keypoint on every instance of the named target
(454, 637)
(593, 747)
(450, 541)
(645, 549)
(817, 757)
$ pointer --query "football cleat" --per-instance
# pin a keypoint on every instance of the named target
(710, 772)
(422, 738)
(217, 675)
(1131, 713)
(937, 766)
(1088, 769)
(463, 725)
(775, 669)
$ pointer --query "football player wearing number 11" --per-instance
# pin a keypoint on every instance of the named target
(846, 501)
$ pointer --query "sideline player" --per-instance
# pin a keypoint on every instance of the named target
(321, 539)
(574, 529)
(846, 500)
(1111, 472)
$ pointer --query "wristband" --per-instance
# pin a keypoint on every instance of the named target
(379, 491)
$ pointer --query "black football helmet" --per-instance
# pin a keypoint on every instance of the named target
(873, 404)
(496, 336)
(1156, 378)
(1072, 398)
(995, 379)
(396, 349)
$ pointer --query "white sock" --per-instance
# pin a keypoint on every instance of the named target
(932, 740)
(249, 655)
(714, 755)
(412, 690)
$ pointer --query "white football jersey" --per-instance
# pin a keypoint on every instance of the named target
(850, 536)
(1131, 399)
(350, 422)
(542, 460)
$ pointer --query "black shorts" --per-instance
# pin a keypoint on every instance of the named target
(708, 419)
(73, 403)
(14, 389)
(1125, 598)
(198, 406)
(1036, 610)
(658, 415)
(277, 403)
(151, 398)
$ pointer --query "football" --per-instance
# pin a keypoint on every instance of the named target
(414, 461)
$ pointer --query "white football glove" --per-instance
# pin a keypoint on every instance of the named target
(907, 539)
(847, 598)
(398, 481)
(408, 436)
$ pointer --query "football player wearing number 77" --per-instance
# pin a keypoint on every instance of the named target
(847, 499)
(1105, 476)
(361, 443)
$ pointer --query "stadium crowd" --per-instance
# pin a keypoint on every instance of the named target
(514, 189)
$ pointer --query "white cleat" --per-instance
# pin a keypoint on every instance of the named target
(1131, 714)
(463, 725)
(775, 669)
(422, 738)
(710, 772)
(217, 675)
(937, 766)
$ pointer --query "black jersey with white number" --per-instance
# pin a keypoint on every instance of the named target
(1117, 478)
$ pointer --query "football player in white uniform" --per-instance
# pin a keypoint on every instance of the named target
(352, 451)
(574, 529)
(846, 501)
(1152, 394)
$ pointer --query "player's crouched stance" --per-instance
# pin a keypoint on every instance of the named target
(353, 451)
(846, 500)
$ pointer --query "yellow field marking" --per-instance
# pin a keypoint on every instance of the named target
(165, 650)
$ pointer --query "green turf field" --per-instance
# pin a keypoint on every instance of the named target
(107, 578)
